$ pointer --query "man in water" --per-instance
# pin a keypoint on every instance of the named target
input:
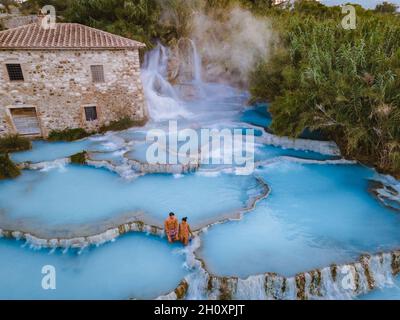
(171, 227)
(184, 231)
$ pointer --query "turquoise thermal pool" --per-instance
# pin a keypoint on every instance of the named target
(61, 200)
(302, 208)
(316, 215)
(121, 270)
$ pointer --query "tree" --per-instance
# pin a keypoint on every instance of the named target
(340, 83)
(265, 3)
(386, 7)
(8, 4)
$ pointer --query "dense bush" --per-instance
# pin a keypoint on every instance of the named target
(122, 124)
(386, 7)
(68, 134)
(79, 158)
(147, 21)
(138, 19)
(345, 83)
(7, 168)
(13, 143)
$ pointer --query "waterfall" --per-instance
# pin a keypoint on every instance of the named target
(324, 147)
(387, 191)
(196, 63)
(337, 282)
(251, 287)
(163, 101)
(197, 70)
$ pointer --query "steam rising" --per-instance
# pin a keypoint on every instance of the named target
(231, 46)
(230, 41)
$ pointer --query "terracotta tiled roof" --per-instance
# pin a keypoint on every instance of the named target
(64, 36)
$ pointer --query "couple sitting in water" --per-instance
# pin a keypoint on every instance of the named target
(176, 231)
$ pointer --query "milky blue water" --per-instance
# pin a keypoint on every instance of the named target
(257, 116)
(315, 215)
(267, 152)
(112, 157)
(388, 293)
(78, 195)
(123, 269)
(261, 152)
(48, 151)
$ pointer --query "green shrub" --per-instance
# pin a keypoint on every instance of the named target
(79, 158)
(7, 168)
(122, 124)
(13, 143)
(68, 134)
(343, 84)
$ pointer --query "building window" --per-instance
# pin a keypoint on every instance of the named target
(91, 113)
(15, 72)
(97, 73)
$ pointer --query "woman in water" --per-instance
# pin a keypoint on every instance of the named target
(184, 231)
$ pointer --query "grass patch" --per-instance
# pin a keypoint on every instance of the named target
(8, 169)
(80, 133)
(13, 143)
(123, 124)
(79, 158)
(68, 134)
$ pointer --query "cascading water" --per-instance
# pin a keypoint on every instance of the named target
(336, 282)
(312, 210)
(163, 101)
(197, 68)
(196, 63)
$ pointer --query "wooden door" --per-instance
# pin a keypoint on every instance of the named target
(26, 121)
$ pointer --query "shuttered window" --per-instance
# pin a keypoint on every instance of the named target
(15, 72)
(91, 113)
(97, 73)
(25, 121)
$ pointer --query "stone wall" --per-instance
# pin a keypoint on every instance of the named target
(8, 21)
(59, 84)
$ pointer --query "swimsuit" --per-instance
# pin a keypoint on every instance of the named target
(171, 228)
(172, 233)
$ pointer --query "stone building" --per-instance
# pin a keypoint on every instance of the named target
(71, 76)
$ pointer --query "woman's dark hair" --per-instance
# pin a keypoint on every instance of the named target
(171, 214)
(184, 219)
